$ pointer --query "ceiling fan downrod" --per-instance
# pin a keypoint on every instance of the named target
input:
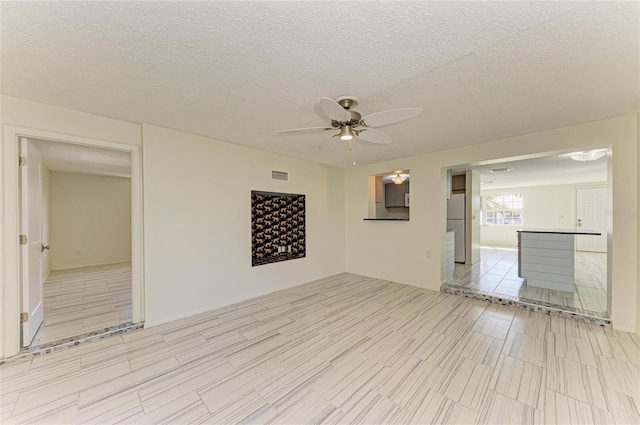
(347, 103)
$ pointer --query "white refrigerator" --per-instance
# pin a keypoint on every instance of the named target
(456, 213)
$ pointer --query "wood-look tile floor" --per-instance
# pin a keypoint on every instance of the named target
(497, 274)
(342, 350)
(85, 299)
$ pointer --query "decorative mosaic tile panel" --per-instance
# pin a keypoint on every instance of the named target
(277, 227)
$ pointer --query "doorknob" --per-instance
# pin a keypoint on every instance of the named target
(579, 222)
(45, 247)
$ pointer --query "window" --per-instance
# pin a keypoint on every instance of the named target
(502, 210)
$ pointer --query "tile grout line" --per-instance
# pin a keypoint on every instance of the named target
(494, 370)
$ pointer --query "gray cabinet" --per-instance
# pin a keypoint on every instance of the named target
(394, 194)
(459, 183)
(547, 260)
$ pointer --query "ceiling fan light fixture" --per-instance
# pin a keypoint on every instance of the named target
(351, 124)
(588, 155)
(346, 133)
(398, 179)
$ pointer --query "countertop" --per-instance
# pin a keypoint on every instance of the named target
(561, 231)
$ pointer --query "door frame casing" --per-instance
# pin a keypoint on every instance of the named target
(9, 229)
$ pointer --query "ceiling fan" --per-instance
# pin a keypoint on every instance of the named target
(351, 124)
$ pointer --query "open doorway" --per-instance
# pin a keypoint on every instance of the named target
(11, 302)
(76, 264)
(76, 212)
(557, 195)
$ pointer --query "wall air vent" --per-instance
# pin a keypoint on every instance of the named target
(500, 170)
(279, 175)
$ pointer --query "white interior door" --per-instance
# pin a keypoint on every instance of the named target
(590, 205)
(31, 251)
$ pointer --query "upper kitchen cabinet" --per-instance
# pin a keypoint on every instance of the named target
(395, 194)
(459, 183)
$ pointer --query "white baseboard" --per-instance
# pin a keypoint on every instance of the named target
(151, 323)
(622, 328)
(89, 265)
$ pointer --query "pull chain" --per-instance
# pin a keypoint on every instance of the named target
(354, 152)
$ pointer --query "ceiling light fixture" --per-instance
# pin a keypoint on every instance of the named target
(588, 155)
(346, 132)
(500, 170)
(398, 179)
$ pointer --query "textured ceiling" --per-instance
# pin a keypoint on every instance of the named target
(72, 158)
(240, 71)
(546, 171)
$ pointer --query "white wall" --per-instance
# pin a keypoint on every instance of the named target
(371, 247)
(545, 207)
(197, 228)
(472, 191)
(24, 113)
(92, 215)
(638, 238)
(197, 200)
(19, 113)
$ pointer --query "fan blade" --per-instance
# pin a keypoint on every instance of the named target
(333, 110)
(380, 119)
(307, 129)
(374, 136)
(327, 140)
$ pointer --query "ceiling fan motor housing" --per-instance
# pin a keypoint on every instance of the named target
(355, 120)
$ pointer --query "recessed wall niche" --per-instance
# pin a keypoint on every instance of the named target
(278, 230)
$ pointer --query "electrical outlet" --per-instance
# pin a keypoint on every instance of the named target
(428, 254)
(77, 252)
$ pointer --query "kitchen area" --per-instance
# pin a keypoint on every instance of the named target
(389, 196)
(462, 240)
(543, 229)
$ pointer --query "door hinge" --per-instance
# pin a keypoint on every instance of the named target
(22, 161)
(24, 317)
(23, 239)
